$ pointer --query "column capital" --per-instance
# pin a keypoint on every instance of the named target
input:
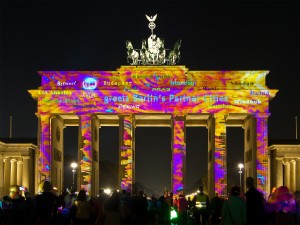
(6, 159)
(25, 157)
(43, 115)
(178, 117)
(279, 159)
(60, 119)
(96, 118)
(216, 115)
(13, 160)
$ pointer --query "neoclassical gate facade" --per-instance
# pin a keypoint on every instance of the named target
(169, 96)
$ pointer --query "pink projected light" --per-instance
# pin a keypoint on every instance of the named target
(179, 152)
(86, 161)
(171, 90)
(126, 154)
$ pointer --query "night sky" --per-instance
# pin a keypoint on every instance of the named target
(91, 35)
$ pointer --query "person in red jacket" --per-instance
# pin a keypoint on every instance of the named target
(182, 207)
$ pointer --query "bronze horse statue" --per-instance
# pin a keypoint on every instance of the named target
(132, 55)
(174, 55)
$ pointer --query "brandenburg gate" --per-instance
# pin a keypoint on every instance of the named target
(153, 91)
(135, 96)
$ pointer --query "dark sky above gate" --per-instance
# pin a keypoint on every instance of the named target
(90, 35)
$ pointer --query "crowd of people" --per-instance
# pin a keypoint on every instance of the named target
(122, 208)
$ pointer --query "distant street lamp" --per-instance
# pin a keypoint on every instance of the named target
(74, 166)
(241, 166)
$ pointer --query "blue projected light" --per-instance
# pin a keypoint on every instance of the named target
(89, 83)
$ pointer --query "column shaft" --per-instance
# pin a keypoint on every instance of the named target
(126, 153)
(220, 166)
(85, 170)
(287, 174)
(178, 154)
(13, 174)
(279, 173)
(211, 159)
(262, 178)
(19, 172)
(7, 169)
(298, 174)
(293, 176)
(45, 157)
(26, 173)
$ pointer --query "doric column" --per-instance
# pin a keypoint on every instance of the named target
(13, 173)
(211, 160)
(262, 177)
(126, 152)
(178, 153)
(298, 174)
(220, 166)
(250, 147)
(85, 164)
(287, 174)
(7, 168)
(1, 177)
(44, 146)
(95, 147)
(279, 172)
(293, 176)
(25, 172)
(19, 172)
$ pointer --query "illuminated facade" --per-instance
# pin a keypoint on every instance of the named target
(285, 164)
(170, 96)
(18, 158)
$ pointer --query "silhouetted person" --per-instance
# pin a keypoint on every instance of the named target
(163, 211)
(139, 209)
(16, 214)
(99, 202)
(216, 209)
(255, 204)
(182, 207)
(202, 207)
(45, 206)
(234, 209)
(112, 209)
(84, 209)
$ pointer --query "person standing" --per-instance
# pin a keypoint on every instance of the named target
(234, 209)
(255, 203)
(45, 205)
(216, 210)
(182, 207)
(84, 209)
(202, 207)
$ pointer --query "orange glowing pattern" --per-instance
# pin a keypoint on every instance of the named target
(154, 89)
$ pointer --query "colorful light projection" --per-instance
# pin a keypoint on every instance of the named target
(154, 89)
(220, 156)
(86, 152)
(262, 151)
(179, 153)
(126, 154)
(44, 163)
